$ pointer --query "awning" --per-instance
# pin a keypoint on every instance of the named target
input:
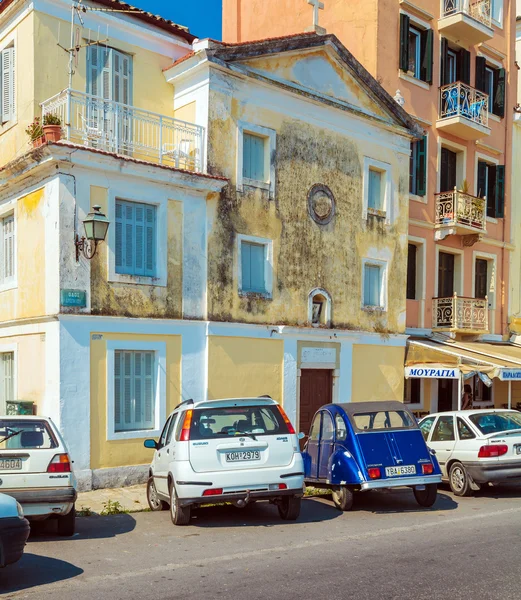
(501, 360)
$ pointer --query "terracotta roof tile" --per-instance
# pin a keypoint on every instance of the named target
(180, 60)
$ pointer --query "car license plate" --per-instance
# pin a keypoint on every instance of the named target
(242, 455)
(10, 464)
(396, 471)
(518, 448)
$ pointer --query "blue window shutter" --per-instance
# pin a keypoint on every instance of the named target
(253, 157)
(117, 388)
(140, 239)
(150, 240)
(246, 156)
(129, 233)
(372, 285)
(375, 189)
(257, 268)
(246, 266)
(119, 237)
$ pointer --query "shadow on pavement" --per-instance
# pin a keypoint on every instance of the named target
(32, 570)
(86, 528)
(399, 501)
(261, 514)
(504, 490)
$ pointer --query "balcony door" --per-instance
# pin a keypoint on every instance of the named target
(445, 275)
(481, 278)
(109, 79)
(448, 170)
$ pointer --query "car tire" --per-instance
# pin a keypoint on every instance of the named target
(343, 498)
(67, 523)
(180, 515)
(154, 502)
(289, 508)
(459, 480)
(427, 497)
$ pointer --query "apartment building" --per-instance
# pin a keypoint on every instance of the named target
(252, 201)
(451, 65)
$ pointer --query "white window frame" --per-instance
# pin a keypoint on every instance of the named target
(9, 43)
(382, 264)
(159, 348)
(268, 264)
(13, 348)
(12, 282)
(161, 249)
(418, 53)
(269, 157)
(498, 22)
(385, 168)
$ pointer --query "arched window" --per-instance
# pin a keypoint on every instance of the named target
(319, 308)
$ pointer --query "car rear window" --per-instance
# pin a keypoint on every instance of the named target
(226, 422)
(16, 434)
(383, 419)
(496, 422)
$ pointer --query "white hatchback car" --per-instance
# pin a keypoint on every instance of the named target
(35, 469)
(475, 447)
(236, 450)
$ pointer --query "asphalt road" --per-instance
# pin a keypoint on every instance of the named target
(387, 548)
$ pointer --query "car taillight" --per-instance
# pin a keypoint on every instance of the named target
(214, 492)
(278, 486)
(290, 427)
(60, 463)
(374, 473)
(428, 469)
(185, 431)
(492, 450)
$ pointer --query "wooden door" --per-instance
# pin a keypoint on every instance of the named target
(444, 394)
(316, 389)
(445, 275)
(448, 170)
(480, 279)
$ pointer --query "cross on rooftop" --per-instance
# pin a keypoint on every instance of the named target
(317, 5)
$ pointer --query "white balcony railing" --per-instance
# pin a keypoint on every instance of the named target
(458, 208)
(480, 10)
(124, 129)
(460, 314)
(460, 100)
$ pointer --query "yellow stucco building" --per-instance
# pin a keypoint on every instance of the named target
(257, 198)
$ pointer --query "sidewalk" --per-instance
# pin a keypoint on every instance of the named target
(131, 499)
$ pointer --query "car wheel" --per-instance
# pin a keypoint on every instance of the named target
(67, 523)
(289, 508)
(180, 515)
(343, 498)
(459, 480)
(427, 497)
(154, 502)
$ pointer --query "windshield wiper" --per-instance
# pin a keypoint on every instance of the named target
(246, 434)
(8, 437)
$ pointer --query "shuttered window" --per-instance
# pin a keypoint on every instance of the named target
(109, 74)
(253, 267)
(416, 47)
(8, 250)
(372, 285)
(491, 80)
(491, 183)
(7, 380)
(411, 272)
(7, 84)
(418, 167)
(253, 160)
(454, 64)
(375, 194)
(135, 238)
(134, 390)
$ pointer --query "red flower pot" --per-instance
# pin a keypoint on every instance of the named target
(53, 133)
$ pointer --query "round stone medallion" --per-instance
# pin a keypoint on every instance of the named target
(321, 204)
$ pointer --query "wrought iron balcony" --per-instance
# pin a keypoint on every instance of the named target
(469, 20)
(122, 129)
(463, 111)
(460, 314)
(460, 213)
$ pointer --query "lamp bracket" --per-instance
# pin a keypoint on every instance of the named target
(85, 247)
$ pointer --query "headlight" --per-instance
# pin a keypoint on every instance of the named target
(20, 510)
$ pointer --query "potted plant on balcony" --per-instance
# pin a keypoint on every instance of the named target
(52, 128)
(35, 132)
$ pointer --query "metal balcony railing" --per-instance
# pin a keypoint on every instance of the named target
(123, 129)
(460, 314)
(457, 208)
(460, 100)
(480, 10)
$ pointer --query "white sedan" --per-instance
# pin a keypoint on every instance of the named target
(475, 447)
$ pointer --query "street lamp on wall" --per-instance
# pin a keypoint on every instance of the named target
(96, 225)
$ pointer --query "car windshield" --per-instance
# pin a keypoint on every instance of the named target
(226, 422)
(383, 419)
(18, 434)
(496, 422)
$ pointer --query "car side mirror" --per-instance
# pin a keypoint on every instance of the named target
(152, 444)
(301, 435)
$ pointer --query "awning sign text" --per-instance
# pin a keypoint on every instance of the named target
(431, 373)
(510, 375)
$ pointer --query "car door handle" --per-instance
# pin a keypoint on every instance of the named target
(168, 450)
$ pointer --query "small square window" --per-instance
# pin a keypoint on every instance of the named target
(253, 267)
(373, 285)
(254, 157)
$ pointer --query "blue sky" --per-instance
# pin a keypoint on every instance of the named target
(202, 17)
